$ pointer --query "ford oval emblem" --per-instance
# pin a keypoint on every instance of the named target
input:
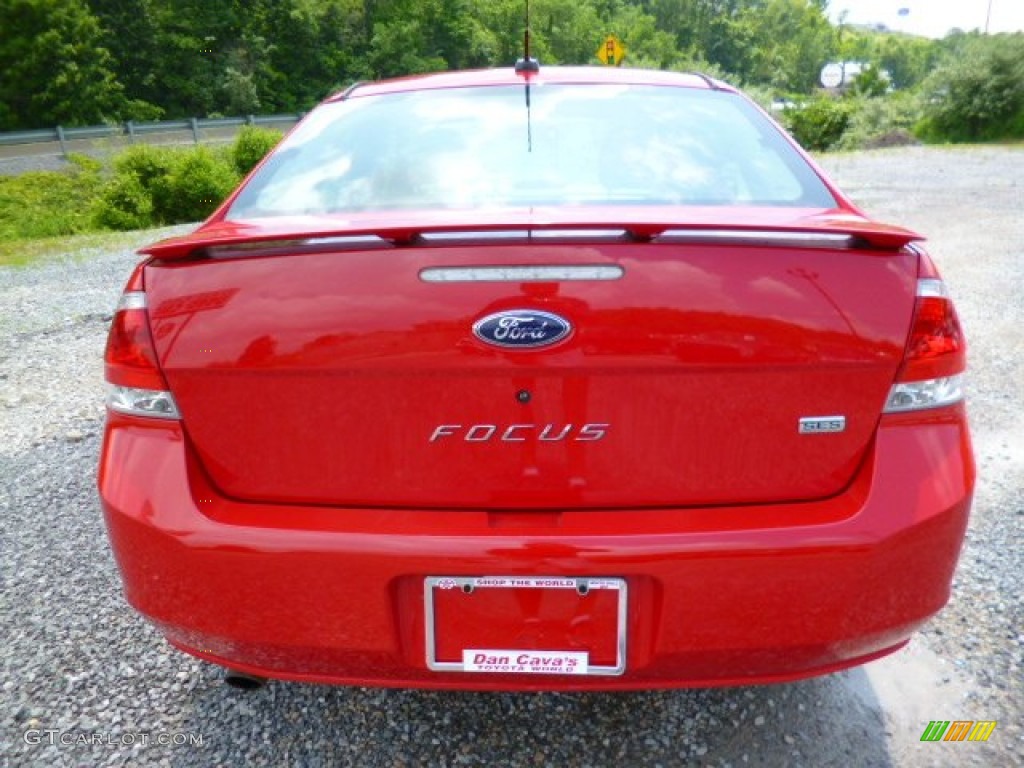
(522, 329)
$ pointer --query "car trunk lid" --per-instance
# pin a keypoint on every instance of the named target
(338, 370)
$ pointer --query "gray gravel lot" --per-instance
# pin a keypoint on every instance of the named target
(78, 663)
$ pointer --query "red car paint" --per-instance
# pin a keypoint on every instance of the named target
(343, 437)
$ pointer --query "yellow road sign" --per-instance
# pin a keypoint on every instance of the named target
(611, 51)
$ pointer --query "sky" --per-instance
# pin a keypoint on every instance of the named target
(933, 18)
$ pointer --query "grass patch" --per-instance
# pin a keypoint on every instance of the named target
(23, 253)
(43, 204)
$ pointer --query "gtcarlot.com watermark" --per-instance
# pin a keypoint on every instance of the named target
(58, 738)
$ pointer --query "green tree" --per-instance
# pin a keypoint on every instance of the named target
(130, 34)
(908, 60)
(504, 23)
(567, 33)
(67, 60)
(195, 41)
(427, 35)
(646, 45)
(397, 48)
(55, 68)
(794, 40)
(331, 37)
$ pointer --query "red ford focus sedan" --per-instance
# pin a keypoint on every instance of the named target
(561, 379)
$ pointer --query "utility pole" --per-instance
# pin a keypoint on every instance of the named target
(988, 15)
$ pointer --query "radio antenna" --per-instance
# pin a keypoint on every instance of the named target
(527, 63)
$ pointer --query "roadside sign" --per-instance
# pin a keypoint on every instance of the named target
(832, 75)
(611, 51)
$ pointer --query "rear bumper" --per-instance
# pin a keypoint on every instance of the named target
(717, 596)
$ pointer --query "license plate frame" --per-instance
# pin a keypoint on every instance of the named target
(470, 584)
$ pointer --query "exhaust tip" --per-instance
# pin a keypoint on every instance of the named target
(243, 681)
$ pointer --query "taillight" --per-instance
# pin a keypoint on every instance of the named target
(137, 385)
(936, 354)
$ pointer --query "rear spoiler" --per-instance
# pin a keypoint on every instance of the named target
(288, 233)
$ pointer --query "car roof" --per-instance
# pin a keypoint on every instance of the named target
(546, 75)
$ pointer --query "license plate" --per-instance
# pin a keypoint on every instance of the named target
(525, 625)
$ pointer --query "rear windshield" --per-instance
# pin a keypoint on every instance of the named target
(503, 146)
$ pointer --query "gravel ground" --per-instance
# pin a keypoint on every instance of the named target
(78, 665)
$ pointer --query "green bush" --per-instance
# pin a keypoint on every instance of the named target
(155, 185)
(127, 200)
(196, 185)
(977, 92)
(47, 203)
(251, 145)
(818, 124)
(124, 204)
(884, 121)
(148, 163)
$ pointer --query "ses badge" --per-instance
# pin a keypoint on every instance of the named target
(522, 329)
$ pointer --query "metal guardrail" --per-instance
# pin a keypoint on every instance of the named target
(133, 129)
